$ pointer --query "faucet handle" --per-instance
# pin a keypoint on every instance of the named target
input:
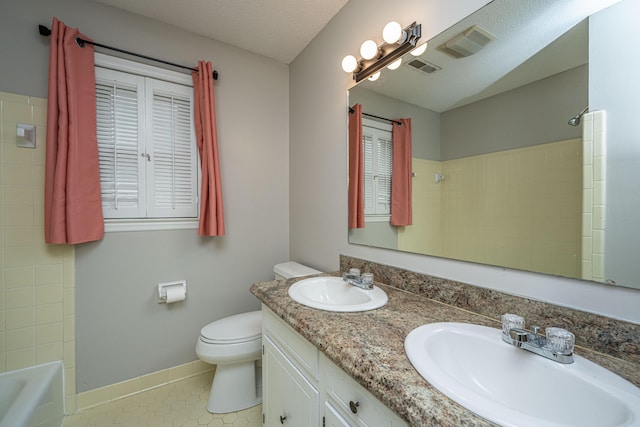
(560, 340)
(367, 279)
(511, 321)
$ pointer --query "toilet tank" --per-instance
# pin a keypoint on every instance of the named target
(289, 270)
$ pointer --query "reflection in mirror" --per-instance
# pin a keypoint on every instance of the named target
(501, 174)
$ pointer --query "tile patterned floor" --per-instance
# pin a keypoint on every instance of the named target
(180, 404)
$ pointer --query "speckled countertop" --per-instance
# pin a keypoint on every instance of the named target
(369, 346)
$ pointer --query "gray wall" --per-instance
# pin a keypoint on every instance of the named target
(611, 64)
(318, 184)
(425, 124)
(533, 114)
(121, 330)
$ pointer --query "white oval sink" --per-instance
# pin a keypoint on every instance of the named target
(512, 387)
(334, 294)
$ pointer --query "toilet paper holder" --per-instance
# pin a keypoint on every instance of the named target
(162, 289)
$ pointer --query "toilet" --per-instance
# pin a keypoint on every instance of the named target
(234, 344)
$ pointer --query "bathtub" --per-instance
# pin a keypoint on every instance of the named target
(32, 397)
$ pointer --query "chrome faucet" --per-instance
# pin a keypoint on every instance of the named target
(557, 345)
(353, 277)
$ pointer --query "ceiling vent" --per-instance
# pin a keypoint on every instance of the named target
(466, 43)
(422, 65)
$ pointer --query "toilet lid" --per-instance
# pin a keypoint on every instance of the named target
(234, 329)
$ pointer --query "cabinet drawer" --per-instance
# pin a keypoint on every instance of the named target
(301, 351)
(333, 418)
(354, 401)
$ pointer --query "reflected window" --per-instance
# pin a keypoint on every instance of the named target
(377, 149)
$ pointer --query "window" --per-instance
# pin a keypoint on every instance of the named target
(146, 142)
(377, 149)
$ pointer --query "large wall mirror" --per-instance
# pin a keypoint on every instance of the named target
(502, 174)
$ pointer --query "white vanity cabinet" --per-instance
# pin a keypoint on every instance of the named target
(301, 387)
(290, 373)
(288, 398)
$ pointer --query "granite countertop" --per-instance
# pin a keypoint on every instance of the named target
(369, 346)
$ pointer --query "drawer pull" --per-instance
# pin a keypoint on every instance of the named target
(354, 406)
(283, 419)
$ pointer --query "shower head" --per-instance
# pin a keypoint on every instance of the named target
(575, 120)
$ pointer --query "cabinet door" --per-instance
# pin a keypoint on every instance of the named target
(288, 398)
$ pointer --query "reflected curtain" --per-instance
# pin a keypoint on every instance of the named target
(401, 176)
(73, 203)
(211, 212)
(356, 169)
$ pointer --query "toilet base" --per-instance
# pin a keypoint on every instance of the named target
(234, 388)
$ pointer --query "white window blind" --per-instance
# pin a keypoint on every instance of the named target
(173, 183)
(383, 174)
(120, 143)
(377, 150)
(369, 190)
(147, 148)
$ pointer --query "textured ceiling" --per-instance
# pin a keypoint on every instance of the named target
(277, 29)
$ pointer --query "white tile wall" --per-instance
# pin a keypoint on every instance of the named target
(594, 194)
(515, 208)
(37, 311)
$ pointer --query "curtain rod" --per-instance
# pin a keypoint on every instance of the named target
(351, 110)
(44, 31)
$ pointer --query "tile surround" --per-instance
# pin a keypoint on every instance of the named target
(514, 208)
(37, 281)
(594, 193)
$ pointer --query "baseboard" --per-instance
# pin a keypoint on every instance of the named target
(140, 384)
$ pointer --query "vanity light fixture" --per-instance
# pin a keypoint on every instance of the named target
(395, 64)
(397, 42)
(419, 50)
(375, 76)
(369, 49)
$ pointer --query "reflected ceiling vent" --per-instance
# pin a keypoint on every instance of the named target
(422, 65)
(466, 43)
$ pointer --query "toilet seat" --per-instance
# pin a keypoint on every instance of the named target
(240, 328)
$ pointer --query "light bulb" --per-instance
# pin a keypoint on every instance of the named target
(419, 50)
(392, 32)
(349, 63)
(375, 76)
(369, 49)
(395, 64)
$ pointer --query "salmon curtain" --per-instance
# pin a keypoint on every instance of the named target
(73, 203)
(401, 175)
(356, 169)
(211, 213)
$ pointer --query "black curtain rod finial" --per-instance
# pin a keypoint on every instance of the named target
(44, 31)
